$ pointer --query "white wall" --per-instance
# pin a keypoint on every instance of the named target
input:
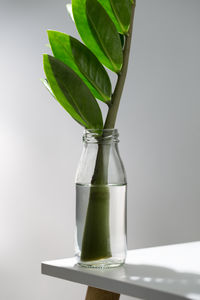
(40, 145)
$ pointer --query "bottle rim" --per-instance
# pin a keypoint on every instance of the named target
(100, 136)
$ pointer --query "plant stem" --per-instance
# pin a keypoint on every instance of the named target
(96, 237)
(113, 109)
(99, 174)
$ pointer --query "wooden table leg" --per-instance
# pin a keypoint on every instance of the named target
(97, 294)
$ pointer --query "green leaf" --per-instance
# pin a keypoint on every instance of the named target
(59, 95)
(122, 11)
(105, 33)
(82, 61)
(107, 6)
(92, 69)
(72, 93)
(98, 32)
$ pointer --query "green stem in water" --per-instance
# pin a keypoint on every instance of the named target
(96, 237)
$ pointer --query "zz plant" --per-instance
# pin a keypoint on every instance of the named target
(76, 77)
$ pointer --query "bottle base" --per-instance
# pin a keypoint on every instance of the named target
(107, 263)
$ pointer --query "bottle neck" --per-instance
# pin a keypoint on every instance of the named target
(100, 136)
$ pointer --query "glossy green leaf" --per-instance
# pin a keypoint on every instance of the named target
(72, 93)
(105, 32)
(93, 40)
(107, 6)
(92, 69)
(80, 59)
(60, 97)
(122, 11)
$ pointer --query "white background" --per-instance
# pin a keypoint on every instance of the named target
(40, 144)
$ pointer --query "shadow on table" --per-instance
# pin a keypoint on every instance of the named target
(165, 279)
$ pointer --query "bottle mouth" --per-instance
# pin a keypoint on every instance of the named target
(100, 136)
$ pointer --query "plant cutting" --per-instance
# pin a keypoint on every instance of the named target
(76, 76)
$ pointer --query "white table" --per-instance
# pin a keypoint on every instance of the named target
(167, 272)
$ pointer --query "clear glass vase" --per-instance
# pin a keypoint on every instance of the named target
(101, 186)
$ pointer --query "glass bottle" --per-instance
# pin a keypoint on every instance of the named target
(100, 240)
